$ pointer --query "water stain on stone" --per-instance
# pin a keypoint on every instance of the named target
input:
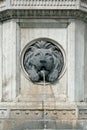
(6, 82)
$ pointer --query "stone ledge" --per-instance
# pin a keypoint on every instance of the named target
(61, 111)
(59, 105)
(43, 14)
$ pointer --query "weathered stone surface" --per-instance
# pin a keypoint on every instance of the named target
(22, 115)
(22, 103)
(58, 88)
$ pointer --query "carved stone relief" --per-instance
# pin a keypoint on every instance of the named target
(42, 56)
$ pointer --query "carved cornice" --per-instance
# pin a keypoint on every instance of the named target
(42, 4)
(39, 4)
(28, 14)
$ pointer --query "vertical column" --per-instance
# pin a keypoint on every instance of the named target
(76, 32)
(85, 63)
(9, 60)
(18, 50)
(1, 33)
(71, 61)
(79, 60)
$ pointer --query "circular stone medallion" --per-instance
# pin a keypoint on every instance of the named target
(43, 59)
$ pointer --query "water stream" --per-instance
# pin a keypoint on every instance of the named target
(44, 100)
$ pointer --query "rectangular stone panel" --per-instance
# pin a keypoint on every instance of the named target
(58, 34)
(9, 60)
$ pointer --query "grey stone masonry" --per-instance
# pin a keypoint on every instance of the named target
(10, 9)
(43, 4)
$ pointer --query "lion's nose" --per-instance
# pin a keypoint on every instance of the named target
(42, 61)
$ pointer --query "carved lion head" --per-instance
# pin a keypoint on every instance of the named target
(43, 58)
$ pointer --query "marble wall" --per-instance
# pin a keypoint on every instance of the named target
(70, 34)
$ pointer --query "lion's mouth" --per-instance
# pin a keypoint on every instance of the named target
(43, 68)
(42, 71)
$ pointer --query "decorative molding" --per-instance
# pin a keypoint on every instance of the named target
(83, 3)
(27, 111)
(44, 3)
(62, 114)
(83, 114)
(37, 114)
(32, 14)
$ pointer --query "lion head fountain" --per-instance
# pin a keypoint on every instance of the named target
(42, 55)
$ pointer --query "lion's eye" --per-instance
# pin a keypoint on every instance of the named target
(47, 54)
(37, 54)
